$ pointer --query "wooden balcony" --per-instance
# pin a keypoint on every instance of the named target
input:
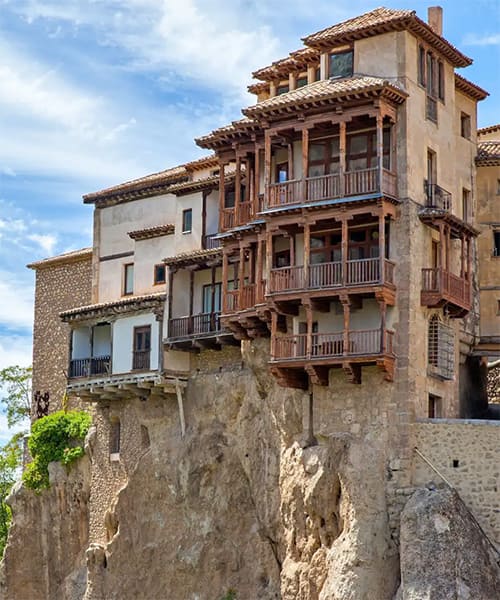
(90, 367)
(210, 242)
(350, 350)
(141, 360)
(440, 288)
(328, 276)
(330, 187)
(203, 329)
(235, 301)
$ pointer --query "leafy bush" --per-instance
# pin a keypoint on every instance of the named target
(56, 437)
(231, 595)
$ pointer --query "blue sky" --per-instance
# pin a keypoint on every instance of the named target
(96, 92)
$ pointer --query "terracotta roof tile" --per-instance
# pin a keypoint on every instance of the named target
(488, 154)
(67, 257)
(193, 257)
(489, 129)
(122, 303)
(202, 163)
(235, 129)
(297, 60)
(379, 21)
(469, 88)
(151, 232)
(211, 181)
(328, 89)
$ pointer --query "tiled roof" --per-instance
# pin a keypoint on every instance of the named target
(199, 184)
(469, 88)
(488, 154)
(325, 90)
(232, 131)
(202, 163)
(381, 20)
(151, 232)
(295, 61)
(128, 303)
(489, 129)
(257, 88)
(193, 257)
(67, 257)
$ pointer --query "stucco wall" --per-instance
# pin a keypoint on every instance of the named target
(466, 453)
(123, 341)
(59, 286)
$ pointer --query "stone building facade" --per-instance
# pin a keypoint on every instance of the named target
(270, 331)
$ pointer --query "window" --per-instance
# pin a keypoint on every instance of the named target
(466, 206)
(229, 199)
(187, 220)
(434, 407)
(128, 279)
(282, 89)
(441, 81)
(208, 306)
(421, 65)
(341, 64)
(362, 150)
(431, 87)
(498, 307)
(142, 348)
(317, 74)
(498, 187)
(440, 349)
(465, 126)
(323, 157)
(114, 436)
(160, 274)
(496, 243)
(301, 82)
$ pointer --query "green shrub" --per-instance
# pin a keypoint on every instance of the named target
(56, 437)
(231, 595)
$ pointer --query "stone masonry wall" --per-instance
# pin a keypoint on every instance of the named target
(466, 453)
(60, 285)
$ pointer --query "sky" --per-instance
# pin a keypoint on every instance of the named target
(97, 92)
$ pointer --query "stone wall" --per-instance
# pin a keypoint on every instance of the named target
(466, 453)
(62, 282)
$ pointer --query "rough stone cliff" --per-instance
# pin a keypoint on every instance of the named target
(245, 501)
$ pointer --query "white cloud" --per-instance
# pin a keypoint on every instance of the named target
(46, 242)
(16, 303)
(474, 39)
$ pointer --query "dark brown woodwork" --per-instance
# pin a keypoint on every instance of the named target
(353, 372)
(318, 375)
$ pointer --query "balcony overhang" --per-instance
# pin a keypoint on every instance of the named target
(130, 304)
(433, 217)
(127, 385)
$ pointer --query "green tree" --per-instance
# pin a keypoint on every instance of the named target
(16, 398)
(15, 401)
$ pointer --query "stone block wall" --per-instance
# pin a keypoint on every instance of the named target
(62, 283)
(466, 453)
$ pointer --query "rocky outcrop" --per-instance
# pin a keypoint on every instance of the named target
(444, 555)
(45, 555)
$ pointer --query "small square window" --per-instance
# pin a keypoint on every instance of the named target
(317, 74)
(128, 279)
(496, 243)
(159, 274)
(301, 82)
(187, 220)
(341, 64)
(465, 126)
(282, 89)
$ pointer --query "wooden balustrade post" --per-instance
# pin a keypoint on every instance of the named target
(274, 328)
(293, 262)
(342, 158)
(290, 159)
(259, 296)
(309, 320)
(462, 256)
(344, 250)
(380, 148)
(191, 300)
(305, 161)
(241, 276)
(307, 253)
(383, 320)
(381, 245)
(222, 196)
(237, 191)
(267, 167)
(225, 268)
(269, 257)
(170, 291)
(346, 305)
(256, 186)
(212, 302)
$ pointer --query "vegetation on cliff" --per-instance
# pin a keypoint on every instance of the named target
(56, 437)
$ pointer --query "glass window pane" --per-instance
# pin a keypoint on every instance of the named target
(301, 82)
(317, 151)
(318, 258)
(357, 164)
(129, 279)
(358, 144)
(187, 217)
(335, 145)
(341, 64)
(316, 170)
(317, 242)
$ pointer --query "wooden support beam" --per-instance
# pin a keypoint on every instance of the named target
(342, 157)
(237, 191)
(307, 251)
(224, 280)
(180, 403)
(256, 180)
(290, 160)
(259, 292)
(346, 305)
(344, 249)
(381, 244)
(222, 194)
(267, 158)
(380, 146)
(305, 154)
(318, 375)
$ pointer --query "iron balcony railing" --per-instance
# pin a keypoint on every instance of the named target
(88, 367)
(436, 197)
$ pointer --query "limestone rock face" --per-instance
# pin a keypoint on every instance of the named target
(45, 555)
(443, 554)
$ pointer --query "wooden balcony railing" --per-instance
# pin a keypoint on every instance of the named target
(245, 213)
(210, 242)
(227, 218)
(141, 360)
(367, 342)
(88, 367)
(363, 271)
(438, 283)
(191, 326)
(328, 187)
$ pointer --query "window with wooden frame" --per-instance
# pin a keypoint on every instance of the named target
(160, 274)
(434, 407)
(212, 301)
(362, 150)
(128, 279)
(142, 348)
(498, 187)
(301, 81)
(441, 80)
(421, 65)
(114, 436)
(466, 205)
(341, 64)
(187, 220)
(282, 89)
(465, 125)
(317, 74)
(324, 157)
